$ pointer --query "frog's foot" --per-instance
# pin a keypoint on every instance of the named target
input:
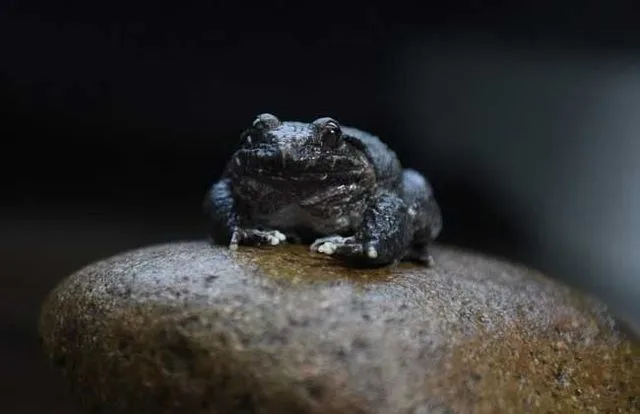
(255, 237)
(346, 247)
(328, 245)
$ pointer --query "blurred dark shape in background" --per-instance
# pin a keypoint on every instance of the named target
(549, 138)
(116, 119)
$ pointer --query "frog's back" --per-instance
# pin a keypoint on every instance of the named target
(384, 160)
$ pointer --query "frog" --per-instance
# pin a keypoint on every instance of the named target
(338, 189)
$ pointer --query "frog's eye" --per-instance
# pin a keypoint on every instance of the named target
(265, 122)
(258, 130)
(330, 132)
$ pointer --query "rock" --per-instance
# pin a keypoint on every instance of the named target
(190, 328)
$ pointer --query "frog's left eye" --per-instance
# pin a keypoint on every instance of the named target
(330, 132)
(265, 122)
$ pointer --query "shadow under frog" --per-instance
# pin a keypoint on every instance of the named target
(339, 189)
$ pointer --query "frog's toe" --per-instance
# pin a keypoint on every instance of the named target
(271, 237)
(365, 252)
(279, 235)
(330, 244)
(327, 248)
(256, 237)
(341, 247)
(352, 250)
(371, 251)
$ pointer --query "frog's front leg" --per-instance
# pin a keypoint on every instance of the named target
(224, 224)
(382, 238)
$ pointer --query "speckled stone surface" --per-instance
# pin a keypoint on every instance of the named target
(188, 327)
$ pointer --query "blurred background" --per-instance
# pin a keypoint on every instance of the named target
(117, 117)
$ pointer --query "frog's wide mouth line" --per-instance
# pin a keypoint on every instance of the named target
(294, 175)
(293, 160)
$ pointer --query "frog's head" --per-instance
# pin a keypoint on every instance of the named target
(294, 151)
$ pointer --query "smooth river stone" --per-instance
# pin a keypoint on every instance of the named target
(191, 328)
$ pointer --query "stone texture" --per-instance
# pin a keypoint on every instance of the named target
(187, 327)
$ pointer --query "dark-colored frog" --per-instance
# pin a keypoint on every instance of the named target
(339, 189)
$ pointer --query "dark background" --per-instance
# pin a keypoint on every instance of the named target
(117, 117)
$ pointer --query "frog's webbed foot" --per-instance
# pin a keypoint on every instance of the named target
(330, 244)
(381, 239)
(345, 247)
(255, 237)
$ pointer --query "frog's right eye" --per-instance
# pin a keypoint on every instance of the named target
(330, 132)
(265, 122)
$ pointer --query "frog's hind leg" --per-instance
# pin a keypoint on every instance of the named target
(420, 253)
(425, 216)
(219, 207)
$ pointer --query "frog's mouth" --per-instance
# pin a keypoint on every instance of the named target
(265, 174)
(275, 164)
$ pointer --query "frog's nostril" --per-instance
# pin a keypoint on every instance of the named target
(283, 154)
